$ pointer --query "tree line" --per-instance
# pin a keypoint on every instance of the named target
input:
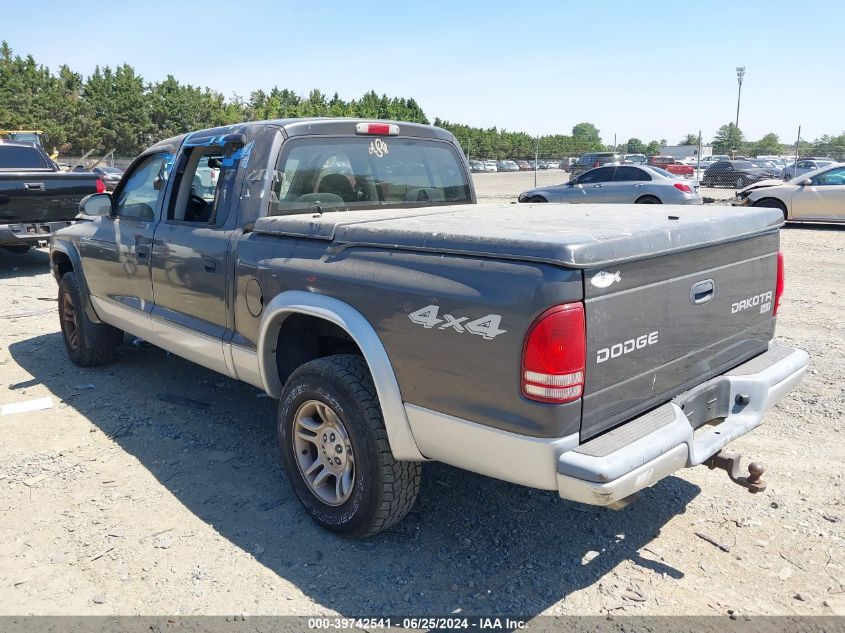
(116, 109)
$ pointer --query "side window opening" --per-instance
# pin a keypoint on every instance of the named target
(200, 186)
(630, 174)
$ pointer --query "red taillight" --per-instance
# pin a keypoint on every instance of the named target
(553, 357)
(682, 187)
(377, 129)
(778, 284)
(101, 186)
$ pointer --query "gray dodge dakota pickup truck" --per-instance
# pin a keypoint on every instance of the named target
(36, 199)
(344, 267)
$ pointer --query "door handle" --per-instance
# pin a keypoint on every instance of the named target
(639, 185)
(597, 186)
(702, 292)
(34, 186)
(209, 264)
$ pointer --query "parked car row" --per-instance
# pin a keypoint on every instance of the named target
(481, 166)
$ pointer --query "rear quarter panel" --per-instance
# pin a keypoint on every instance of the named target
(443, 367)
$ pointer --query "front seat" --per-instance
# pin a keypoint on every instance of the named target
(339, 185)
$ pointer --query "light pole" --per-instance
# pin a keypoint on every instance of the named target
(740, 73)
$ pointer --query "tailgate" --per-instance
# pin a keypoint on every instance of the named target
(27, 197)
(657, 327)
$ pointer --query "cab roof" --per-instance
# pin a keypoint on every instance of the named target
(303, 127)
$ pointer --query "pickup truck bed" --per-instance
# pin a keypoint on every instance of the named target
(36, 199)
(684, 245)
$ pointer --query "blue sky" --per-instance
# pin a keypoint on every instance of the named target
(650, 69)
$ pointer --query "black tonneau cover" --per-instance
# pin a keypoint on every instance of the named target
(578, 236)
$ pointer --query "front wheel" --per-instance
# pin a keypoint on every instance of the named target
(88, 344)
(335, 451)
(772, 203)
(537, 199)
(740, 182)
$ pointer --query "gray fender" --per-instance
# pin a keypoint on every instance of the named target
(402, 443)
(70, 251)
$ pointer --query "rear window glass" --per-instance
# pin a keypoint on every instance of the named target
(367, 172)
(663, 172)
(12, 157)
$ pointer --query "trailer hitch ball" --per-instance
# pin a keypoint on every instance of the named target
(732, 464)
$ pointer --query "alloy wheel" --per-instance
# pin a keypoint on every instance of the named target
(323, 452)
(70, 322)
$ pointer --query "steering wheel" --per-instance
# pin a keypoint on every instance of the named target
(196, 206)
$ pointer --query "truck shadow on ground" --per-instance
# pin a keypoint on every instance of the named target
(14, 265)
(472, 545)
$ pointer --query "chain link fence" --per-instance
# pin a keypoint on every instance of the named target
(727, 160)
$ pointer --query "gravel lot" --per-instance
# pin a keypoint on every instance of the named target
(115, 501)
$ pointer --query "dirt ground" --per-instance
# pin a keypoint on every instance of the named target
(121, 499)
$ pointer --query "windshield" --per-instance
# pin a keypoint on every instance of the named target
(367, 172)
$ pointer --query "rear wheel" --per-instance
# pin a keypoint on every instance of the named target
(648, 200)
(335, 451)
(88, 344)
(773, 203)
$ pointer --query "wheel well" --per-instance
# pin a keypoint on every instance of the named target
(61, 264)
(778, 204)
(646, 197)
(303, 338)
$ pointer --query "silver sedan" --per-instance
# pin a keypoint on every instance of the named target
(818, 196)
(620, 184)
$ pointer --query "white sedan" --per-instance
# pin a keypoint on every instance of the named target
(818, 196)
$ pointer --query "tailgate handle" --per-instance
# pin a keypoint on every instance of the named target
(33, 186)
(702, 292)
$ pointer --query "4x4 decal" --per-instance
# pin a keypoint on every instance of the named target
(487, 327)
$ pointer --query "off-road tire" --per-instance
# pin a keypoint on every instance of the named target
(95, 343)
(384, 489)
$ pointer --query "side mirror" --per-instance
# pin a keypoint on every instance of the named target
(806, 182)
(96, 204)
